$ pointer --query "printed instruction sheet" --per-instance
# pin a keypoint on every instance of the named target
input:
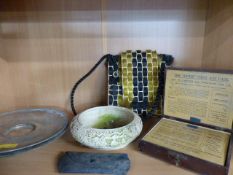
(205, 96)
(204, 143)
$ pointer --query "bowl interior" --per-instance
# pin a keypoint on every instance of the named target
(107, 117)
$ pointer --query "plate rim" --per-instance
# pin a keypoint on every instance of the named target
(39, 143)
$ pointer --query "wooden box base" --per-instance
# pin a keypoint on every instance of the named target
(185, 160)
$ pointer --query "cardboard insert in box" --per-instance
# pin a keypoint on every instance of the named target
(195, 131)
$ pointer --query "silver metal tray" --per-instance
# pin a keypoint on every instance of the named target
(30, 128)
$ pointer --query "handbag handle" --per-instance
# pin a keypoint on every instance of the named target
(83, 78)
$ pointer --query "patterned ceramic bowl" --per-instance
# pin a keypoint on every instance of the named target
(106, 127)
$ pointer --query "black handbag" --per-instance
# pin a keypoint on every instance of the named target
(135, 81)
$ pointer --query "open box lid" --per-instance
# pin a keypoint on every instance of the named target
(203, 97)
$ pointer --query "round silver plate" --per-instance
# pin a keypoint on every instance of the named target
(30, 128)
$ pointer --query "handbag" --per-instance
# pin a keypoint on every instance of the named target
(135, 81)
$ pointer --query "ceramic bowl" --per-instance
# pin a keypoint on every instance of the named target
(106, 127)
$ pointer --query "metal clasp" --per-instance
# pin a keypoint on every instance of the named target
(175, 157)
(177, 160)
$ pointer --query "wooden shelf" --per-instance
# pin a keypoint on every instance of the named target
(44, 160)
(47, 45)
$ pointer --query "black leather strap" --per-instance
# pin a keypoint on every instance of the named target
(105, 57)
